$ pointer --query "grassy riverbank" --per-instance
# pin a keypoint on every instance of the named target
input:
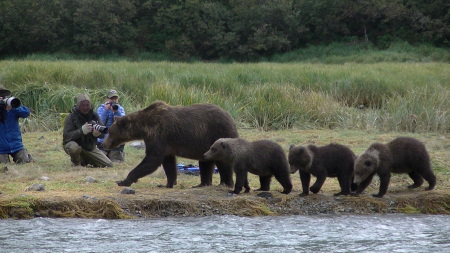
(350, 95)
(68, 194)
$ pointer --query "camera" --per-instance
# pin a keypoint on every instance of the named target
(114, 106)
(10, 101)
(98, 127)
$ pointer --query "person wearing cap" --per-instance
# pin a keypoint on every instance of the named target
(107, 111)
(11, 143)
(80, 135)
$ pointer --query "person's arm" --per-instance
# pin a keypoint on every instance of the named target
(102, 112)
(71, 131)
(100, 122)
(120, 112)
(21, 111)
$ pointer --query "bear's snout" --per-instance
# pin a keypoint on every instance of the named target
(207, 155)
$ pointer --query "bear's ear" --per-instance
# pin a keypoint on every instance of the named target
(223, 144)
(116, 118)
(291, 147)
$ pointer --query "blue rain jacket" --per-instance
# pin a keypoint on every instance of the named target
(10, 136)
(107, 117)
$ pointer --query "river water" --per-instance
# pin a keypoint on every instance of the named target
(321, 233)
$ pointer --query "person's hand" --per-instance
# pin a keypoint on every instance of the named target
(7, 106)
(86, 128)
(95, 133)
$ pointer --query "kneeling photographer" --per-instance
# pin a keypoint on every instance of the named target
(107, 111)
(82, 127)
(10, 137)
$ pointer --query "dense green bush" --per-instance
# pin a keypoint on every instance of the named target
(227, 30)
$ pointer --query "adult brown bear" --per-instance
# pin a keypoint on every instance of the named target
(170, 131)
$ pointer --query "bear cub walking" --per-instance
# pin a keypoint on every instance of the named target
(401, 155)
(333, 160)
(263, 158)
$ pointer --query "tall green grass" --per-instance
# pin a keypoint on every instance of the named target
(390, 96)
(341, 53)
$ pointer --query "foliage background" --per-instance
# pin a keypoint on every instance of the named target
(213, 29)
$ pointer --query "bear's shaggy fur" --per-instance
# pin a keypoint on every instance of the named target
(333, 160)
(401, 155)
(170, 131)
(263, 158)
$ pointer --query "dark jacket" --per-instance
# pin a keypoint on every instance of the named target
(72, 129)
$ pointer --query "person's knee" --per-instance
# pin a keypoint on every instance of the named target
(116, 156)
(72, 148)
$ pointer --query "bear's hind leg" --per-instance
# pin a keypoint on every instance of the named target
(226, 173)
(344, 183)
(246, 186)
(170, 168)
(431, 178)
(265, 183)
(206, 173)
(284, 179)
(418, 180)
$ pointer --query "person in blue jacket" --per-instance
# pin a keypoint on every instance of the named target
(107, 111)
(10, 137)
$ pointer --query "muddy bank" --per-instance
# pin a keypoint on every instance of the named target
(195, 202)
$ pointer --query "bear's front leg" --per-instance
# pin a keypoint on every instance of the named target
(305, 177)
(148, 165)
(125, 183)
(384, 183)
(315, 188)
(241, 178)
(363, 185)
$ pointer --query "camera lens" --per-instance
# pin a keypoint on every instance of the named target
(13, 102)
(115, 107)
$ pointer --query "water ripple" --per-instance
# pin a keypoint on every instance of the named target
(346, 233)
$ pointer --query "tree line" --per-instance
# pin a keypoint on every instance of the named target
(214, 29)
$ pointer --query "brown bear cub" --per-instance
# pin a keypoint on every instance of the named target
(333, 160)
(401, 155)
(263, 158)
(170, 131)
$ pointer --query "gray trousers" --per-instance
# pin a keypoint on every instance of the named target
(21, 156)
(116, 155)
(80, 156)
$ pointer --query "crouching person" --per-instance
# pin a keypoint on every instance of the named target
(82, 127)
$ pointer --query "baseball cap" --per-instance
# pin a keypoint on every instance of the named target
(4, 92)
(112, 93)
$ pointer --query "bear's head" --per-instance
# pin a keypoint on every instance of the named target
(366, 164)
(300, 158)
(221, 150)
(117, 134)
